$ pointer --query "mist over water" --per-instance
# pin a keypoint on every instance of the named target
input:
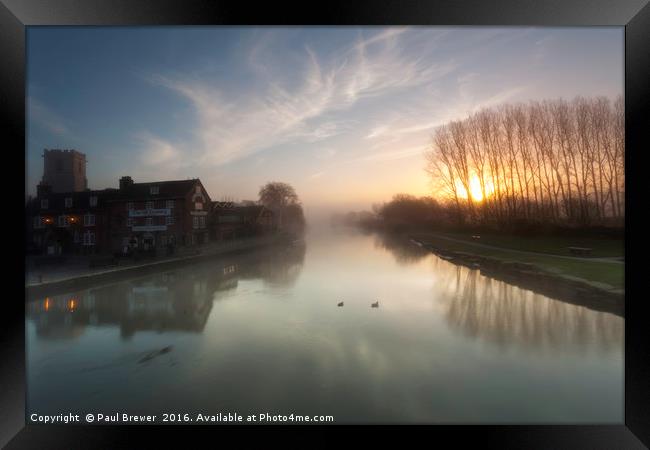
(262, 332)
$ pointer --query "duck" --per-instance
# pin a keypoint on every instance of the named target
(340, 304)
(375, 305)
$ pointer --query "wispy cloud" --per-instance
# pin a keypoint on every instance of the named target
(231, 127)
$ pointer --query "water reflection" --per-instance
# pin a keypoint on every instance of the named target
(263, 332)
(500, 313)
(179, 300)
(403, 250)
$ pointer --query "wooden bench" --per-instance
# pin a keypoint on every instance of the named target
(582, 251)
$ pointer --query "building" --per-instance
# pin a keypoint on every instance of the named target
(64, 170)
(158, 217)
(230, 221)
(69, 222)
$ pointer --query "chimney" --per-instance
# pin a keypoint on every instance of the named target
(125, 182)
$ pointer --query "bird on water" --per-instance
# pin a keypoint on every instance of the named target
(340, 304)
(375, 305)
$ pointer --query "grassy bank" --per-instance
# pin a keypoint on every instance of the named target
(549, 254)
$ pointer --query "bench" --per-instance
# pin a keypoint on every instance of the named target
(583, 251)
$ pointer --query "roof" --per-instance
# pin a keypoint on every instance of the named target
(166, 189)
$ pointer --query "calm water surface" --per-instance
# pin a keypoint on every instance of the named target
(262, 333)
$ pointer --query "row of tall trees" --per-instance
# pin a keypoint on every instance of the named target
(551, 162)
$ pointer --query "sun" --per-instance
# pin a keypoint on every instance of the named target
(475, 190)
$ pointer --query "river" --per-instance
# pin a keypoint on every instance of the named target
(262, 333)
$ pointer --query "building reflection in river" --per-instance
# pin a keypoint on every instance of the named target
(178, 300)
(505, 315)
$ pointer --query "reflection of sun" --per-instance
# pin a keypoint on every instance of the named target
(474, 189)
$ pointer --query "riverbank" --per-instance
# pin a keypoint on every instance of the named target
(64, 278)
(545, 274)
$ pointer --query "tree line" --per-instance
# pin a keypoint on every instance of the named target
(552, 162)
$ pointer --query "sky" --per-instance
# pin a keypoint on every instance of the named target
(343, 114)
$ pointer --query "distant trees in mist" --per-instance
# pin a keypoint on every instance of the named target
(550, 162)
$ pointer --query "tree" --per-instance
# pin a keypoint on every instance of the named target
(281, 198)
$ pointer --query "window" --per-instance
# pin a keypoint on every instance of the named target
(149, 205)
(198, 205)
(77, 238)
(68, 202)
(169, 220)
(149, 221)
(202, 222)
(129, 222)
(154, 190)
(44, 204)
(93, 201)
(129, 206)
(89, 220)
(195, 222)
(62, 221)
(89, 238)
(170, 204)
(38, 222)
(197, 189)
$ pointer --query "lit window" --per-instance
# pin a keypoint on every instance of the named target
(89, 220)
(170, 204)
(149, 205)
(68, 202)
(44, 204)
(93, 201)
(154, 190)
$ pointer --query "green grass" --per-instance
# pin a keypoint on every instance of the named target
(608, 273)
(601, 248)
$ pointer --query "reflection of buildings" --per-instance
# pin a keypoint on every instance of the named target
(179, 300)
(505, 315)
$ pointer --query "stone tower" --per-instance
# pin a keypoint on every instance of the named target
(64, 170)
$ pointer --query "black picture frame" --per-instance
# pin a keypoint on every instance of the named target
(634, 15)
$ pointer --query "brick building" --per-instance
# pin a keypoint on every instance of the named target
(229, 221)
(69, 222)
(158, 215)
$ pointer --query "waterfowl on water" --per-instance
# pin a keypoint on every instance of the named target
(375, 305)
(340, 304)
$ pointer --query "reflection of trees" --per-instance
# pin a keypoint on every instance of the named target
(278, 266)
(505, 315)
(404, 251)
